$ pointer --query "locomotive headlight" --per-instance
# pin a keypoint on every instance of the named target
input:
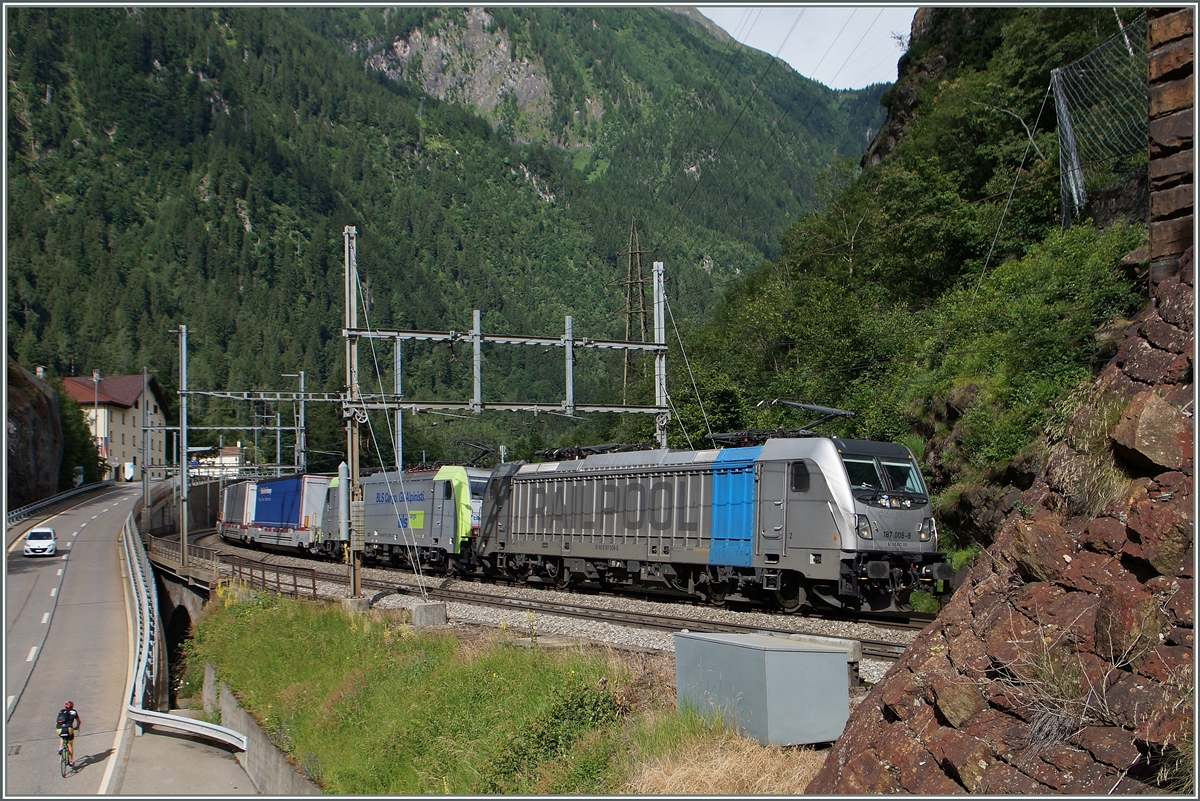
(863, 527)
(928, 529)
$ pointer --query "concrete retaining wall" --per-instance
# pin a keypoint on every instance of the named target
(265, 764)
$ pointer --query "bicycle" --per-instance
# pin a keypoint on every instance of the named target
(66, 762)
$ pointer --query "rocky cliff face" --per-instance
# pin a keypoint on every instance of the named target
(35, 438)
(901, 102)
(1064, 663)
(470, 63)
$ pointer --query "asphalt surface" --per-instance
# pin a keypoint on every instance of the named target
(67, 631)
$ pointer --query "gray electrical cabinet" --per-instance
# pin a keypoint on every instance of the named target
(776, 690)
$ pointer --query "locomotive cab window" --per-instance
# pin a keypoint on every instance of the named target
(799, 477)
(903, 477)
(448, 491)
(477, 490)
(863, 473)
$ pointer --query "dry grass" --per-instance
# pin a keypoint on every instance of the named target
(735, 766)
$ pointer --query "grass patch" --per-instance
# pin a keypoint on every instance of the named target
(366, 704)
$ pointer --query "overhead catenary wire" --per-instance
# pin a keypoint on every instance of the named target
(1008, 202)
(783, 149)
(1110, 88)
(688, 364)
(732, 127)
(880, 233)
(409, 544)
(741, 47)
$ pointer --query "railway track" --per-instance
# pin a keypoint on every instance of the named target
(912, 621)
(871, 649)
(656, 621)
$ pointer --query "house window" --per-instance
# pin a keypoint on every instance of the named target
(135, 404)
(122, 438)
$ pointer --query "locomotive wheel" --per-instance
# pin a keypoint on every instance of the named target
(716, 591)
(791, 595)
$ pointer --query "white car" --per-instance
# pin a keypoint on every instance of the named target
(41, 542)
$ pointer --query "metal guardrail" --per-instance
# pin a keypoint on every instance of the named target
(141, 577)
(283, 579)
(198, 557)
(27, 510)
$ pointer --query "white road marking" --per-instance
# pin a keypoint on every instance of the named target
(74, 533)
(93, 518)
(60, 571)
(11, 698)
(64, 556)
(67, 545)
(45, 617)
(53, 591)
(121, 721)
(32, 654)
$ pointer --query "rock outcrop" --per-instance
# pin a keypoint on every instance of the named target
(35, 438)
(469, 62)
(1064, 662)
(902, 100)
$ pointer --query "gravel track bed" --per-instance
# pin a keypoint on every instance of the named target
(870, 670)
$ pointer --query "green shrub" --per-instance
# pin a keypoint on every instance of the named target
(580, 709)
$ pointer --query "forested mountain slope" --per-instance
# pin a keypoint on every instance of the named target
(936, 293)
(197, 166)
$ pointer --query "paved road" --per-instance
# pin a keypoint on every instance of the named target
(67, 635)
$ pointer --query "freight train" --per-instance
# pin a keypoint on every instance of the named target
(818, 522)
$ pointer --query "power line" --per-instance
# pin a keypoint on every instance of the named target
(746, 105)
(695, 112)
(879, 234)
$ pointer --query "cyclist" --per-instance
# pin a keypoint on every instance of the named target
(67, 723)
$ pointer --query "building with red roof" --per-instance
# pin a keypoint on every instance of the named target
(116, 408)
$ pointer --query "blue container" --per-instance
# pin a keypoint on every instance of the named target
(278, 502)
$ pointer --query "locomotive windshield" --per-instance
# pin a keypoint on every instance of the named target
(477, 490)
(865, 473)
(903, 477)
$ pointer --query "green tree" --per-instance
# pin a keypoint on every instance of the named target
(79, 447)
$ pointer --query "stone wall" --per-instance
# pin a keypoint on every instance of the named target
(1172, 92)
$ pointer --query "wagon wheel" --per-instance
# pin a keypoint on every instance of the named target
(515, 571)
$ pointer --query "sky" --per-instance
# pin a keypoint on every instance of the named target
(842, 47)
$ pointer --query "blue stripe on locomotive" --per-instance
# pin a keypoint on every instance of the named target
(733, 507)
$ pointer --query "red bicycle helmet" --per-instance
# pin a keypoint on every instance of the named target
(69, 705)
